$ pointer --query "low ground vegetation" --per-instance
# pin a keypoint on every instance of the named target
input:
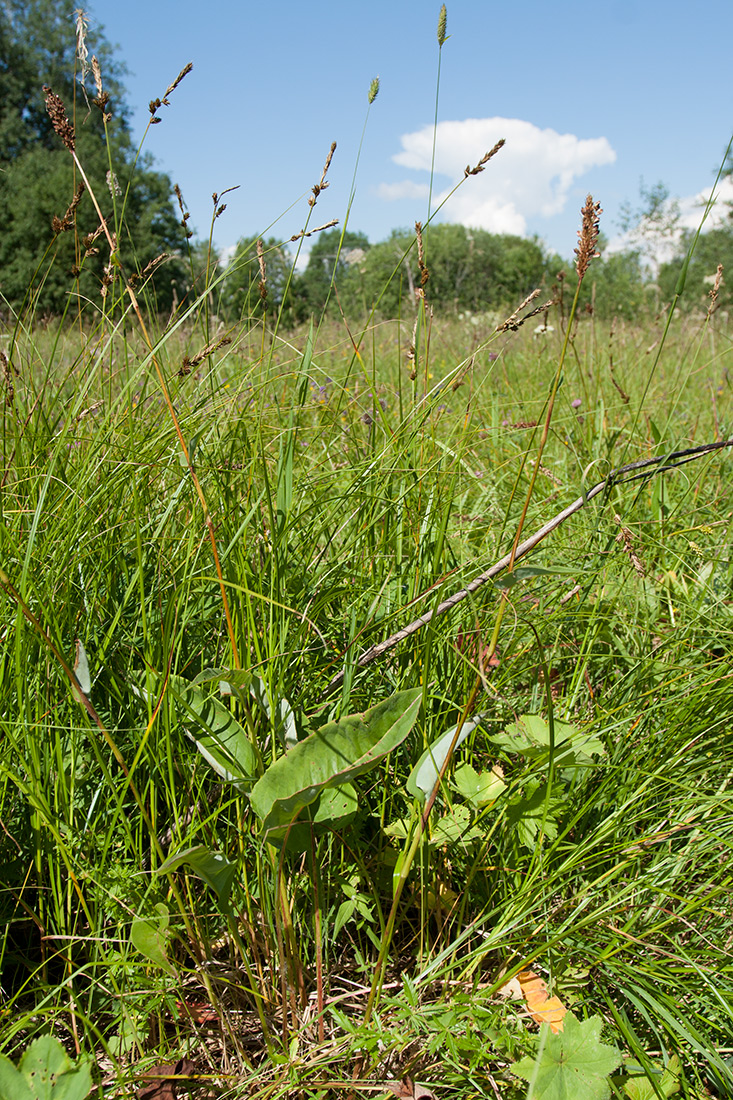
(249, 850)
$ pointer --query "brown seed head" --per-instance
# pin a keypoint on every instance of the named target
(424, 273)
(97, 74)
(59, 121)
(323, 184)
(318, 229)
(60, 225)
(172, 87)
(713, 293)
(187, 364)
(469, 171)
(515, 322)
(588, 235)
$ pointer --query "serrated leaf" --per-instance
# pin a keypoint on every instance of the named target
(667, 1083)
(330, 757)
(149, 936)
(212, 867)
(530, 737)
(50, 1074)
(479, 788)
(573, 1065)
(454, 827)
(12, 1083)
(527, 813)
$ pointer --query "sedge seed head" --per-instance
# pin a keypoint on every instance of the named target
(59, 121)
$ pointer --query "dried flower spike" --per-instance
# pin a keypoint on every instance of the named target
(713, 292)
(82, 26)
(424, 273)
(469, 171)
(318, 229)
(60, 225)
(172, 87)
(323, 184)
(442, 24)
(59, 121)
(588, 235)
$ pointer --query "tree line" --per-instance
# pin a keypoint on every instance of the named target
(50, 257)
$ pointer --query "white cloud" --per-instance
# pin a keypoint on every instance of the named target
(532, 175)
(406, 189)
(693, 206)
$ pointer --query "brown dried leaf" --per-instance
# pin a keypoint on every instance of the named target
(542, 1009)
(167, 1077)
(407, 1089)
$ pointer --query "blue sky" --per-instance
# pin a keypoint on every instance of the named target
(589, 97)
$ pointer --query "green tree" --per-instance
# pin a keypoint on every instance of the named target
(469, 269)
(38, 179)
(334, 258)
(241, 294)
(713, 248)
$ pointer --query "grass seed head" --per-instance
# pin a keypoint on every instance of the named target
(588, 235)
(373, 90)
(442, 25)
(59, 121)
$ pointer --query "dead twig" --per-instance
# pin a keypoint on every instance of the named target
(648, 467)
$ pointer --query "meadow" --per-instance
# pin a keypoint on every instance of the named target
(248, 851)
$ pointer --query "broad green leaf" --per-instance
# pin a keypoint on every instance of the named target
(454, 828)
(333, 755)
(480, 789)
(344, 914)
(215, 731)
(423, 776)
(667, 1083)
(13, 1085)
(150, 938)
(50, 1074)
(572, 1065)
(332, 809)
(212, 867)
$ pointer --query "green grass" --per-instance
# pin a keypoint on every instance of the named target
(251, 528)
(346, 500)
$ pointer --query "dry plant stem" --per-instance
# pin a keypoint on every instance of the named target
(664, 462)
(169, 404)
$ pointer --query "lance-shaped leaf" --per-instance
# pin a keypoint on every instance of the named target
(212, 867)
(333, 755)
(215, 731)
(424, 775)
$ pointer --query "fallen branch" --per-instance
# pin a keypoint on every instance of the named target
(617, 477)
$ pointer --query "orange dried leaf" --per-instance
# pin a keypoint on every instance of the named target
(542, 1009)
